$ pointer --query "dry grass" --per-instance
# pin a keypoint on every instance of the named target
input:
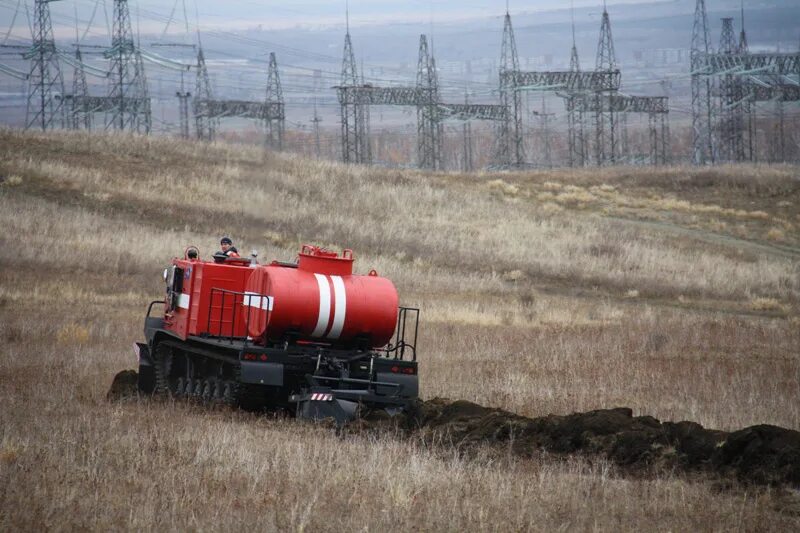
(541, 293)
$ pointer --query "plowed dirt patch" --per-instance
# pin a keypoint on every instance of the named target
(761, 454)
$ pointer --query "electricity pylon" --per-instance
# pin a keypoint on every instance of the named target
(45, 108)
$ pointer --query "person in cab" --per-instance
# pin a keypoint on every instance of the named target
(228, 249)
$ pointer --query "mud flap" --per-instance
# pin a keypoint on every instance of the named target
(147, 374)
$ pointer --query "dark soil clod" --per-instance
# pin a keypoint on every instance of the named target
(759, 454)
(125, 385)
(764, 454)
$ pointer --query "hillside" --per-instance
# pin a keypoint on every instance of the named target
(675, 292)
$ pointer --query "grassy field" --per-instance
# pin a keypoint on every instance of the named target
(674, 291)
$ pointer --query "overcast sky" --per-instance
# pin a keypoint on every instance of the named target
(380, 11)
(152, 15)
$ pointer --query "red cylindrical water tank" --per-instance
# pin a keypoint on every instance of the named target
(321, 301)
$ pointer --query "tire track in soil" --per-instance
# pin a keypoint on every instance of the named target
(730, 241)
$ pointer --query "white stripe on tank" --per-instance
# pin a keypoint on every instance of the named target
(324, 306)
(340, 310)
(253, 299)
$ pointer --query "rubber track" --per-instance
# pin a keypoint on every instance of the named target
(162, 368)
(245, 396)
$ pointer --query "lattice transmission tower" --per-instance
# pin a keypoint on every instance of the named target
(274, 122)
(732, 102)
(606, 127)
(509, 152)
(205, 126)
(429, 138)
(440, 116)
(183, 94)
(316, 122)
(544, 134)
(128, 89)
(777, 146)
(423, 96)
(748, 106)
(743, 47)
(576, 137)
(353, 123)
(183, 108)
(364, 126)
(45, 107)
(703, 150)
(467, 164)
(81, 113)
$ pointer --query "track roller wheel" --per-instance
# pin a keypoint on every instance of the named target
(188, 388)
(208, 390)
(180, 386)
(219, 391)
(229, 393)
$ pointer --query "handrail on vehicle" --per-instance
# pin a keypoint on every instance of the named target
(237, 299)
(150, 307)
(398, 348)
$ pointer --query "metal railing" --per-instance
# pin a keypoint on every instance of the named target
(398, 348)
(232, 301)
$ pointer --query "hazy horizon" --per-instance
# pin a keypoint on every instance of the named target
(152, 16)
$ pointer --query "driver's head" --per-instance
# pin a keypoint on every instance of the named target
(226, 243)
(192, 253)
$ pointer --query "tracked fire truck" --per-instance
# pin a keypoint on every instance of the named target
(309, 337)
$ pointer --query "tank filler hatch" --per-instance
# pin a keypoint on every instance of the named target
(320, 261)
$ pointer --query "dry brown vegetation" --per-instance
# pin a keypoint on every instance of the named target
(675, 292)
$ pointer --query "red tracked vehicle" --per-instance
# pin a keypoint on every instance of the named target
(310, 336)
